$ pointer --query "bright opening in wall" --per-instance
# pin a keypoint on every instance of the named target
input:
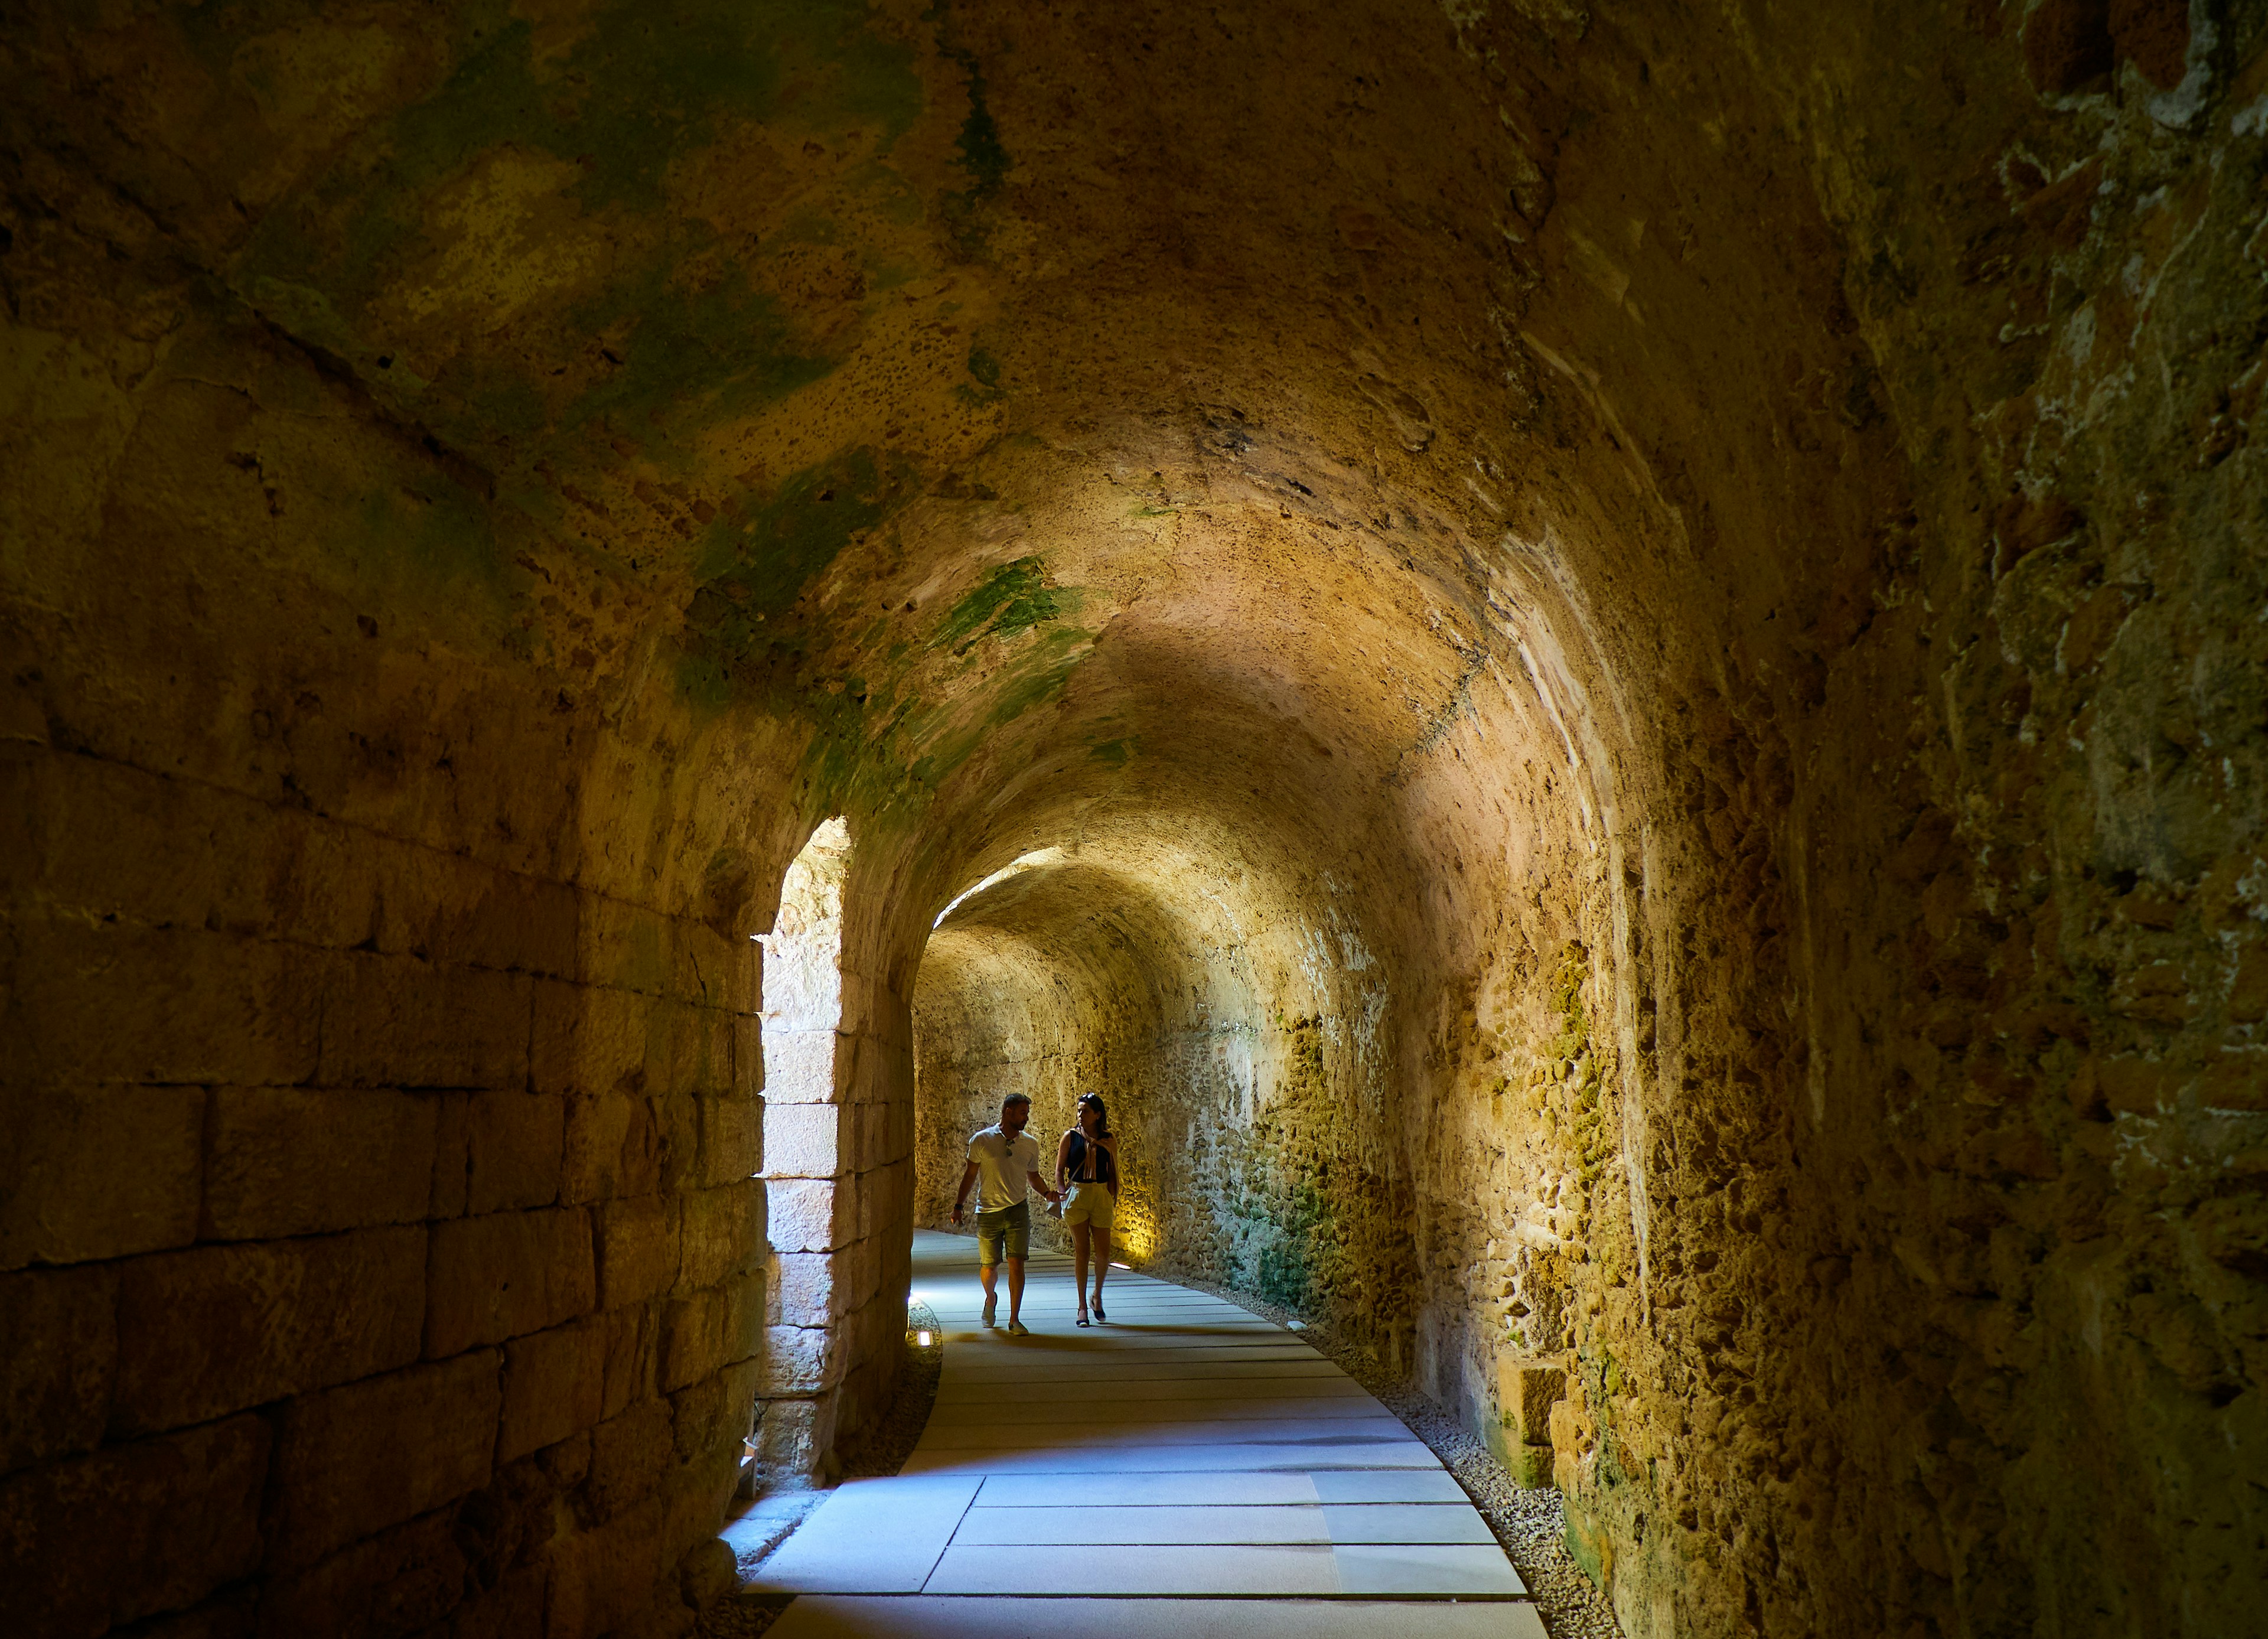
(792, 1428)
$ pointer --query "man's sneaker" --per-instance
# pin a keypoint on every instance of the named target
(990, 1304)
(1017, 1329)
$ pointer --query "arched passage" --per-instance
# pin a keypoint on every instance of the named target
(1656, 607)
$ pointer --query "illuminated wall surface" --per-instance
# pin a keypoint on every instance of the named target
(1604, 665)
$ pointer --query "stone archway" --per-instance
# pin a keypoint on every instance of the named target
(836, 1130)
(807, 1062)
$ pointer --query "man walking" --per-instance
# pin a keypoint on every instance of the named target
(1007, 1159)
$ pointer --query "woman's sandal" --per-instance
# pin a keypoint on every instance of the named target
(1082, 1316)
(1098, 1311)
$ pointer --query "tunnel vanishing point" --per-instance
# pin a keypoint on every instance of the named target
(1603, 664)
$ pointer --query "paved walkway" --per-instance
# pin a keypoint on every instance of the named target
(1187, 1470)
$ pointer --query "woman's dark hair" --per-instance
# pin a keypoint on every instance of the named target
(1101, 1114)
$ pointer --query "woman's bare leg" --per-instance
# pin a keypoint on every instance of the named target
(1101, 1263)
(1078, 1234)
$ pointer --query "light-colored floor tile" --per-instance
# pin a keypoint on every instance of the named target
(1423, 1568)
(1149, 1388)
(931, 1617)
(1107, 1345)
(1188, 1448)
(1154, 1490)
(1072, 1415)
(1176, 1459)
(1455, 1521)
(1046, 1529)
(1130, 1369)
(871, 1536)
(1389, 1485)
(1135, 1524)
(1095, 1437)
(1136, 1570)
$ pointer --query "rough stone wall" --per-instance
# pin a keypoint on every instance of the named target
(837, 1138)
(379, 1237)
(995, 1014)
(1935, 944)
(1637, 624)
(398, 1238)
(1232, 1039)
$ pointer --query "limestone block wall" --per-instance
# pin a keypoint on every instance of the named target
(387, 1230)
(1237, 1072)
(837, 1141)
(379, 1249)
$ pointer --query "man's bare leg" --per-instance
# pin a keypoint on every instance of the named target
(1015, 1288)
(985, 1272)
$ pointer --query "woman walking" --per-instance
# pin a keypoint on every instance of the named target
(1086, 1164)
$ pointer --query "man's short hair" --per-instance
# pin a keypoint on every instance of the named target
(1015, 1098)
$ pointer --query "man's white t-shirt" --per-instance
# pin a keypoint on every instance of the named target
(1001, 1164)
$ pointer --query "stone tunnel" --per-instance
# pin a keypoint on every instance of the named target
(1604, 665)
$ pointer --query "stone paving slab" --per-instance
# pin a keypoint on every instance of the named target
(1094, 1343)
(1226, 1455)
(1154, 1490)
(1346, 1485)
(1098, 1435)
(1389, 1485)
(1032, 1362)
(1033, 1392)
(1185, 1569)
(1071, 1415)
(1429, 1569)
(1201, 1456)
(1418, 1567)
(1046, 1528)
(871, 1536)
(1214, 1523)
(1414, 1524)
(1063, 1328)
(932, 1617)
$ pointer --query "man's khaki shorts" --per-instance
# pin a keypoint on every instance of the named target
(1091, 1204)
(1006, 1234)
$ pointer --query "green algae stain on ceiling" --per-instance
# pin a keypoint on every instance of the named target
(575, 205)
(1012, 599)
(754, 563)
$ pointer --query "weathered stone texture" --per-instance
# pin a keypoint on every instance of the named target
(98, 1172)
(133, 1530)
(710, 1330)
(217, 1328)
(288, 1162)
(553, 1386)
(62, 1327)
(639, 1249)
(1602, 662)
(513, 1149)
(416, 1438)
(401, 1581)
(507, 1274)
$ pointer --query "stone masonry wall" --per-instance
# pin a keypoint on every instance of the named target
(379, 1246)
(397, 1236)
(837, 1134)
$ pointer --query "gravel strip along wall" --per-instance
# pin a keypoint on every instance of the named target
(1529, 1520)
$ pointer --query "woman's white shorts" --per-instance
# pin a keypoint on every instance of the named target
(1091, 1204)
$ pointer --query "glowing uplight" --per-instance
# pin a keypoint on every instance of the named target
(922, 1338)
(1136, 1232)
